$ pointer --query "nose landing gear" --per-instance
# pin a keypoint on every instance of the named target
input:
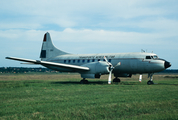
(150, 82)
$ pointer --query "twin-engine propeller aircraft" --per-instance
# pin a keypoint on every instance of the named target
(95, 65)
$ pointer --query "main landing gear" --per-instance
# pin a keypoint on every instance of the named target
(150, 82)
(116, 80)
(83, 81)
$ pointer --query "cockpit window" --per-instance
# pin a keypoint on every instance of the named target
(148, 57)
(152, 57)
(155, 57)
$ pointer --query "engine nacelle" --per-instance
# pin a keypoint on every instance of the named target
(90, 75)
(96, 69)
(122, 75)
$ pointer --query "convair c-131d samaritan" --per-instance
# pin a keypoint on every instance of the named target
(95, 65)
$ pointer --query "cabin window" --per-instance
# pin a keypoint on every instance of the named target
(73, 61)
(78, 61)
(104, 60)
(83, 61)
(69, 61)
(109, 60)
(64, 61)
(148, 57)
(98, 59)
(93, 60)
(88, 61)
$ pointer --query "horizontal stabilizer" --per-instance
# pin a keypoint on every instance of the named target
(50, 63)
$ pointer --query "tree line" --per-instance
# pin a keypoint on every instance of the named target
(41, 69)
(24, 70)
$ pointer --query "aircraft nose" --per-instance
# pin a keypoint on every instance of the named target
(167, 64)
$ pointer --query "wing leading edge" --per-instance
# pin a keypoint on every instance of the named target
(50, 63)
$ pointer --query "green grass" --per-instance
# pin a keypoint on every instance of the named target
(60, 96)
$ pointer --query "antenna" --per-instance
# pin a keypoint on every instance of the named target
(142, 50)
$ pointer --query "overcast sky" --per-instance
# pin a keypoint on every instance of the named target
(88, 26)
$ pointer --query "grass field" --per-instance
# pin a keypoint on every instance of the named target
(61, 96)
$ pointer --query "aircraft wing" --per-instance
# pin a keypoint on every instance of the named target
(50, 63)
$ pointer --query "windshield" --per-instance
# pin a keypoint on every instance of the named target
(155, 57)
(152, 57)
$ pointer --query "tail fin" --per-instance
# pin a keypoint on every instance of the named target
(48, 50)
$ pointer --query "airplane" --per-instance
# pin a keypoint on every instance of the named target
(95, 65)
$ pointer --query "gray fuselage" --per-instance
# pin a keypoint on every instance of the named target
(131, 63)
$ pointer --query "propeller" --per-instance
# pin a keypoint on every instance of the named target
(110, 69)
(140, 78)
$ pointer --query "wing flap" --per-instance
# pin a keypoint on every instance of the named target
(50, 63)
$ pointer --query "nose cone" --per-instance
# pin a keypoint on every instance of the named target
(167, 64)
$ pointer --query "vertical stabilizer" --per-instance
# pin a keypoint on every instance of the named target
(48, 50)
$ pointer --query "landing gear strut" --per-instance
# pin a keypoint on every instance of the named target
(83, 81)
(116, 80)
(151, 79)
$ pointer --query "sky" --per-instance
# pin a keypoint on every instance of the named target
(88, 26)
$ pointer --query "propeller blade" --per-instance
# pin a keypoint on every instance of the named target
(140, 78)
(109, 78)
(119, 63)
(106, 60)
(110, 70)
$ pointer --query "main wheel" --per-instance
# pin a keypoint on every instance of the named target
(116, 80)
(84, 81)
(150, 82)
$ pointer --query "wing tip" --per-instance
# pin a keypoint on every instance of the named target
(7, 57)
